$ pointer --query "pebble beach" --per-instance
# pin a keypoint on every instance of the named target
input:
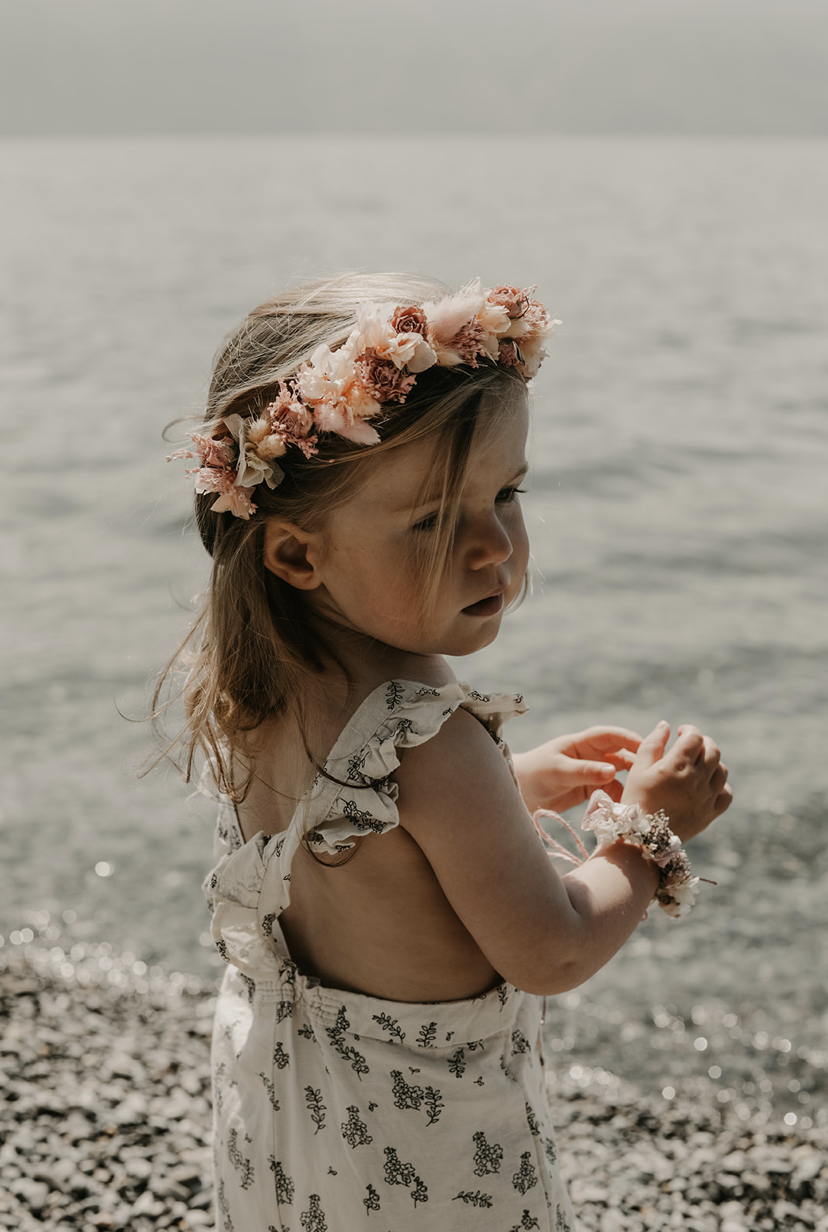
(105, 1121)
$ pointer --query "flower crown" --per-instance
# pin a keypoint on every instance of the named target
(377, 365)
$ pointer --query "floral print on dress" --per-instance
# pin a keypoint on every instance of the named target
(339, 1111)
(487, 1158)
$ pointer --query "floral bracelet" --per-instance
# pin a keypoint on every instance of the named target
(651, 833)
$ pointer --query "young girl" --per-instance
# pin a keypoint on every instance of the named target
(388, 912)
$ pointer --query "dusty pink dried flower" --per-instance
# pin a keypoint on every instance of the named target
(212, 479)
(510, 298)
(470, 344)
(410, 320)
(535, 315)
(383, 380)
(288, 413)
(215, 451)
(508, 354)
(308, 445)
(231, 498)
(180, 453)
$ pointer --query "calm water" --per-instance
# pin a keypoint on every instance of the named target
(677, 507)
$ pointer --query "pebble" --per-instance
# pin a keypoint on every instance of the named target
(105, 1127)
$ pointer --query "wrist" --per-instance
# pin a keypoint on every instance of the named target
(641, 873)
(649, 833)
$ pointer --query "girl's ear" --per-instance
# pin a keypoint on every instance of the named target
(293, 554)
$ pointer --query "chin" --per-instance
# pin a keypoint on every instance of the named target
(471, 644)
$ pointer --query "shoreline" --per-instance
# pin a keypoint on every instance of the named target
(106, 1123)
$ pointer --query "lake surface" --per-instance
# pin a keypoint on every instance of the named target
(678, 510)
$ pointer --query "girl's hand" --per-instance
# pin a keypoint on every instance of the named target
(565, 771)
(689, 783)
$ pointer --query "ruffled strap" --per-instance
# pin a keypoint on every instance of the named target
(354, 795)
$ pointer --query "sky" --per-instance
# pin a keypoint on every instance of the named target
(742, 67)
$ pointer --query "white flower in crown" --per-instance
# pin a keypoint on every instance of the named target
(327, 373)
(495, 321)
(329, 382)
(533, 353)
(251, 470)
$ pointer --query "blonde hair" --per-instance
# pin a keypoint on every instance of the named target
(250, 654)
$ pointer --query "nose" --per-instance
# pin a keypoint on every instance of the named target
(488, 542)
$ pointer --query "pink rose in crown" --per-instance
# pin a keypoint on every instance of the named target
(383, 380)
(287, 413)
(376, 332)
(513, 299)
(215, 451)
(410, 321)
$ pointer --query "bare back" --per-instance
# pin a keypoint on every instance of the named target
(372, 917)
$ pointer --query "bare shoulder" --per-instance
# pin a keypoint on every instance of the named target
(459, 769)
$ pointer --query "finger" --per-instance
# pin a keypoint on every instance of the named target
(604, 740)
(652, 747)
(723, 801)
(614, 790)
(712, 753)
(586, 772)
(689, 743)
(718, 778)
(618, 761)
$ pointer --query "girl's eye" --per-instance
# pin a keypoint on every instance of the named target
(428, 523)
(506, 495)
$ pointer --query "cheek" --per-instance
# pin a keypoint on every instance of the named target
(520, 541)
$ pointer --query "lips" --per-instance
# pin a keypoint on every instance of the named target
(489, 606)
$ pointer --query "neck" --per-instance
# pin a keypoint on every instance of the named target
(360, 663)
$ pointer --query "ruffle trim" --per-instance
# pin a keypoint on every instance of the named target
(354, 796)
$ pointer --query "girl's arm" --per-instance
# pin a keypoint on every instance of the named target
(542, 932)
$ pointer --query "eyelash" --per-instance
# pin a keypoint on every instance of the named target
(504, 497)
(429, 523)
(507, 495)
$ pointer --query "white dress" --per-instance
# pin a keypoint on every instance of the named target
(336, 1111)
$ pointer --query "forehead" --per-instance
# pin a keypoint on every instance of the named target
(411, 475)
